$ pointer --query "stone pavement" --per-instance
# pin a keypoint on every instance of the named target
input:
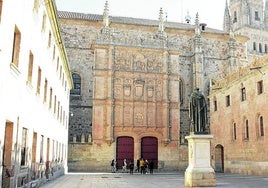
(157, 180)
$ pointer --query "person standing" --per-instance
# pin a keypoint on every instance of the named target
(146, 166)
(151, 167)
(113, 166)
(124, 167)
(142, 166)
(138, 165)
(131, 167)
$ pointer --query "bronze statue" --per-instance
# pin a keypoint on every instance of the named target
(198, 113)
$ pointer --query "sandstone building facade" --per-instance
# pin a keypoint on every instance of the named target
(134, 77)
(240, 140)
(35, 83)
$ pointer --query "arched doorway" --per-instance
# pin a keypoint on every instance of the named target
(219, 158)
(149, 149)
(124, 150)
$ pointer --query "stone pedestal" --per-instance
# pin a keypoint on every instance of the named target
(199, 172)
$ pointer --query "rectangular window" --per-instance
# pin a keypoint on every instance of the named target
(38, 81)
(42, 149)
(1, 4)
(23, 147)
(260, 87)
(246, 130)
(228, 102)
(60, 71)
(16, 47)
(53, 150)
(58, 110)
(63, 118)
(48, 148)
(30, 68)
(257, 15)
(44, 22)
(34, 147)
(36, 5)
(243, 94)
(55, 104)
(45, 92)
(54, 52)
(234, 131)
(49, 39)
(261, 126)
(58, 63)
(61, 114)
(215, 105)
(50, 98)
(62, 82)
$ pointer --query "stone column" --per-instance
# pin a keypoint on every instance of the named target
(199, 172)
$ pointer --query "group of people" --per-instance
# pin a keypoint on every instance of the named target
(142, 166)
(145, 166)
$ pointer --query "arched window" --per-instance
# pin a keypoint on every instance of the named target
(77, 84)
(261, 126)
(260, 48)
(235, 17)
(254, 46)
(234, 131)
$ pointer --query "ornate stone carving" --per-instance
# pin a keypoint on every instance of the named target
(127, 90)
(139, 87)
(117, 91)
(139, 118)
(150, 91)
(127, 115)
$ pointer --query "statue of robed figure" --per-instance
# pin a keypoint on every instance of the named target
(198, 113)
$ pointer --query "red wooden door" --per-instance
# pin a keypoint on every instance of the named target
(124, 150)
(149, 149)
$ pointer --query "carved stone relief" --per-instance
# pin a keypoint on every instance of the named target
(127, 90)
(118, 115)
(127, 115)
(138, 61)
(150, 115)
(150, 91)
(139, 118)
(117, 88)
(159, 89)
(139, 87)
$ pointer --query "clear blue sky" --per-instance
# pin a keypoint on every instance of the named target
(210, 11)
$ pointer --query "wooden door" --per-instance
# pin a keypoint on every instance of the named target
(149, 150)
(124, 150)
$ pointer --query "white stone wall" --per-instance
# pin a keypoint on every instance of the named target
(21, 104)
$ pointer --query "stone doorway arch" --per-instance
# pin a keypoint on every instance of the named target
(124, 150)
(219, 158)
(149, 150)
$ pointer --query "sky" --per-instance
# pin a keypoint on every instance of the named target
(210, 11)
